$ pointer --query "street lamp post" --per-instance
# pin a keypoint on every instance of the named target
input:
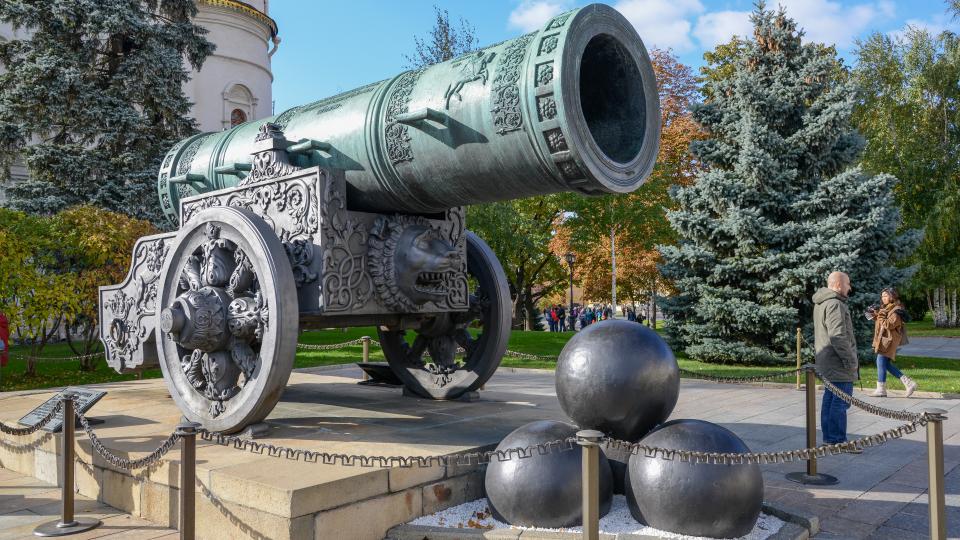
(571, 258)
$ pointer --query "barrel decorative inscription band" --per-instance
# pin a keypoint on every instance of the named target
(349, 211)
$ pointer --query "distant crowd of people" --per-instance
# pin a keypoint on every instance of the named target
(558, 320)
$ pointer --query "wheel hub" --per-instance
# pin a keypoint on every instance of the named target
(198, 319)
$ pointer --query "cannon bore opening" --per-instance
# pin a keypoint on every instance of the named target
(612, 98)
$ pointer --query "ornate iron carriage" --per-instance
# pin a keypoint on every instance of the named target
(350, 211)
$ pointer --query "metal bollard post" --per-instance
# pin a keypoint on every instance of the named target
(590, 441)
(68, 524)
(366, 355)
(811, 476)
(799, 346)
(936, 499)
(188, 475)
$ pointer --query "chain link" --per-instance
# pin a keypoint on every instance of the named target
(10, 430)
(902, 415)
(123, 463)
(51, 359)
(357, 460)
(763, 458)
(332, 346)
(740, 380)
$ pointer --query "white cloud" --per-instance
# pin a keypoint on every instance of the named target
(933, 25)
(832, 23)
(662, 23)
(719, 27)
(531, 15)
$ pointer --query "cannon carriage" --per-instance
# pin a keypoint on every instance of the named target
(350, 211)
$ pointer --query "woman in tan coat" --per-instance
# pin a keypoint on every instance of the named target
(888, 334)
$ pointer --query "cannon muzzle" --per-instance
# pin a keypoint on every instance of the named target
(571, 107)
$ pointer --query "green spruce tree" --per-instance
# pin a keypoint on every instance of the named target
(778, 206)
(92, 98)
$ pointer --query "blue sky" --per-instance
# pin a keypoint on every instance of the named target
(331, 46)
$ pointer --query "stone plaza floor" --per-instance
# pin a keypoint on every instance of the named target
(26, 502)
(934, 347)
(881, 493)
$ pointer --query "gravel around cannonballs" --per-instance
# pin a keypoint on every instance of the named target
(477, 515)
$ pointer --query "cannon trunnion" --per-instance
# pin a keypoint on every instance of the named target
(350, 211)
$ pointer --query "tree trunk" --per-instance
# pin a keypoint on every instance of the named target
(942, 306)
(936, 307)
(929, 301)
(953, 308)
(653, 308)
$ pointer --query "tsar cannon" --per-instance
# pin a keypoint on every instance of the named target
(349, 211)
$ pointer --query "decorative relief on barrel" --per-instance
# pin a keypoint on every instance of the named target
(544, 74)
(186, 160)
(506, 93)
(570, 170)
(472, 68)
(546, 108)
(559, 20)
(346, 284)
(126, 310)
(285, 117)
(556, 142)
(548, 44)
(335, 102)
(396, 134)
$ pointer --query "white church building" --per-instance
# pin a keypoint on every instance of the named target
(235, 82)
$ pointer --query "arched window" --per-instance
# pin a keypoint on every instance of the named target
(239, 105)
(237, 117)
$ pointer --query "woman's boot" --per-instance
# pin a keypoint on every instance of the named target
(908, 384)
(881, 390)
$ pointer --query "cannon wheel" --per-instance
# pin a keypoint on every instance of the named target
(227, 332)
(443, 377)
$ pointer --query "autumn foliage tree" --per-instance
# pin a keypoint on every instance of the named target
(51, 268)
(95, 247)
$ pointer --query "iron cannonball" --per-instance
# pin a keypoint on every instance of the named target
(618, 377)
(719, 501)
(542, 490)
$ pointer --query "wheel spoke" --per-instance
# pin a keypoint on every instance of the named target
(415, 352)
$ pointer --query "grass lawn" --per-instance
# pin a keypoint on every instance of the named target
(931, 374)
(925, 328)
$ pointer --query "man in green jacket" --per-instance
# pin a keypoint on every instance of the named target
(836, 349)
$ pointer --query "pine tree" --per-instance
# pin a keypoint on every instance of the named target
(778, 206)
(92, 99)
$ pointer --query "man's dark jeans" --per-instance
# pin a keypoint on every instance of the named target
(833, 414)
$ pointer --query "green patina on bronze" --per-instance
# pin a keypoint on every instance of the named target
(572, 107)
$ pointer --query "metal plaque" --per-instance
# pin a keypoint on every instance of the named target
(86, 399)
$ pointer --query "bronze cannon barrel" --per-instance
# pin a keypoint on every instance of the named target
(571, 107)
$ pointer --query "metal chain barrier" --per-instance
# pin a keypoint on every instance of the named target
(357, 460)
(332, 346)
(51, 359)
(902, 415)
(740, 380)
(129, 464)
(763, 458)
(10, 430)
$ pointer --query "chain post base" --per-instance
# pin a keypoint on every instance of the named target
(818, 479)
(78, 525)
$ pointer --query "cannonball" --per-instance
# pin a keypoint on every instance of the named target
(542, 490)
(618, 377)
(703, 499)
